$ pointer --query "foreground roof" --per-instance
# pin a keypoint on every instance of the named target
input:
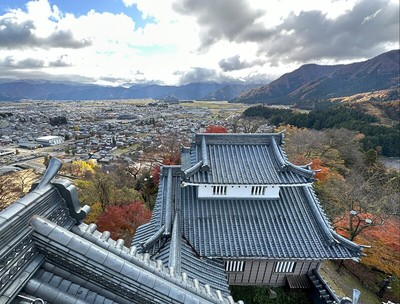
(241, 159)
(46, 252)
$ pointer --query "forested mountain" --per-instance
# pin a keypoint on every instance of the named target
(312, 81)
(230, 91)
(377, 121)
(46, 90)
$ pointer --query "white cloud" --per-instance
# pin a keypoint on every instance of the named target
(194, 38)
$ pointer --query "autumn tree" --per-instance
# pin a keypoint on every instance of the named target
(122, 221)
(107, 188)
(354, 187)
(169, 149)
(82, 167)
(338, 149)
(247, 124)
(216, 129)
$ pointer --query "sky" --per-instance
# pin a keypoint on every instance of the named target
(175, 42)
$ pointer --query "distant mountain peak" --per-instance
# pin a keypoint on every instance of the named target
(313, 81)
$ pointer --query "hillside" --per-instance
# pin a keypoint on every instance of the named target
(229, 91)
(312, 81)
(376, 115)
(384, 105)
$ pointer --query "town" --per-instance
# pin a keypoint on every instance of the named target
(103, 131)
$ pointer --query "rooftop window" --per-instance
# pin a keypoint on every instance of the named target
(219, 190)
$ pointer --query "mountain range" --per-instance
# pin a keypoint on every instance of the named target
(313, 82)
(308, 82)
(47, 90)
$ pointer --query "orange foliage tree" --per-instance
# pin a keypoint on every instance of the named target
(384, 240)
(216, 129)
(122, 221)
(321, 171)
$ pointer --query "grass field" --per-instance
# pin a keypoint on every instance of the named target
(354, 275)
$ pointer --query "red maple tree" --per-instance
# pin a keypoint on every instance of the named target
(122, 221)
(216, 129)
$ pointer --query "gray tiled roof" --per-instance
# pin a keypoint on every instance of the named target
(45, 283)
(206, 271)
(46, 252)
(120, 276)
(291, 227)
(256, 159)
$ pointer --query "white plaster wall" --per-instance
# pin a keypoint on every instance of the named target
(236, 191)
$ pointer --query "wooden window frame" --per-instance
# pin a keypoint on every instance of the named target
(219, 190)
(258, 190)
(234, 266)
(284, 267)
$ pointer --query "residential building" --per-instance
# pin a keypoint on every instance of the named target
(50, 140)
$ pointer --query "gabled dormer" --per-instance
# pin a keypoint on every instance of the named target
(240, 166)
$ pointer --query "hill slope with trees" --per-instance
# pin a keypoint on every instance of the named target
(312, 81)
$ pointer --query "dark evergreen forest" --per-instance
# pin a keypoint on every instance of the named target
(384, 139)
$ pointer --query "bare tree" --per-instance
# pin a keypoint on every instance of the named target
(243, 124)
(364, 202)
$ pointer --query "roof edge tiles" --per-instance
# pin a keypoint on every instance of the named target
(237, 138)
(51, 171)
(330, 235)
(323, 225)
(193, 169)
(66, 189)
(168, 204)
(347, 243)
(126, 269)
(286, 165)
(206, 164)
(175, 248)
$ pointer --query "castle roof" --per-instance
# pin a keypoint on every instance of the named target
(47, 253)
(241, 159)
(290, 226)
